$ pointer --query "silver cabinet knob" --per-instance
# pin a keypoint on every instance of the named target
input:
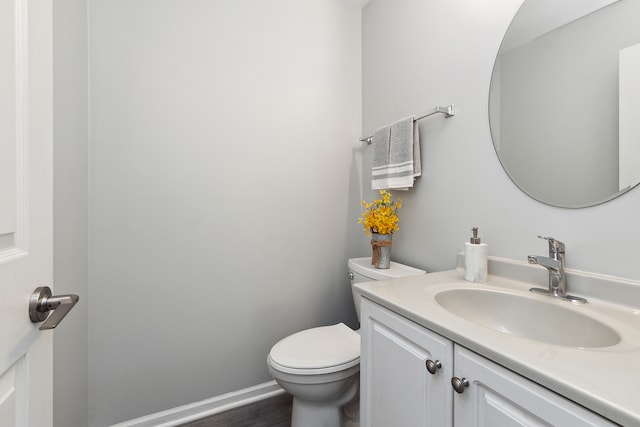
(42, 302)
(459, 384)
(432, 366)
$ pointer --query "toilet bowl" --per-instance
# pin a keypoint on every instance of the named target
(320, 367)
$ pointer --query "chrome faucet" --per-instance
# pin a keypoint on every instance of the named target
(557, 278)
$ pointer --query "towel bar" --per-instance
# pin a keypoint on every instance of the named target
(448, 111)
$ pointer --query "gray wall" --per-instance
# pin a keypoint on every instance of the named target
(222, 148)
(418, 54)
(70, 188)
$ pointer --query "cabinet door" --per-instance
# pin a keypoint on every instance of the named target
(497, 397)
(396, 387)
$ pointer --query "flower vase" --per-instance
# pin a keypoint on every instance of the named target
(381, 250)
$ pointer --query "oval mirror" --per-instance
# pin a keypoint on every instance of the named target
(564, 103)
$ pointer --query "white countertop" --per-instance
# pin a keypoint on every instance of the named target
(605, 380)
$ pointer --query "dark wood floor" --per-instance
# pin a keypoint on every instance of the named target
(272, 412)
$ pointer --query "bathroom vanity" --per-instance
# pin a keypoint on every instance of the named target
(440, 351)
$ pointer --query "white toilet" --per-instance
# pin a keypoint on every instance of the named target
(320, 367)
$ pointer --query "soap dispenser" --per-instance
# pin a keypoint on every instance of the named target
(475, 259)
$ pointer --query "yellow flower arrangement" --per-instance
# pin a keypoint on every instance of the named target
(381, 215)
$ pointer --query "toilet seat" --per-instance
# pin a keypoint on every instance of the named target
(319, 350)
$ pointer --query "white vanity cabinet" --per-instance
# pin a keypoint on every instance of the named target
(398, 390)
(498, 397)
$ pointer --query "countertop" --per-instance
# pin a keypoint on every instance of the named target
(605, 380)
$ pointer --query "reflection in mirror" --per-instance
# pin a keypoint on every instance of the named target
(565, 97)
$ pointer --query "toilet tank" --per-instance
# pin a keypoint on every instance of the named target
(361, 270)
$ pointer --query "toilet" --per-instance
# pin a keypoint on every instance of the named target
(320, 367)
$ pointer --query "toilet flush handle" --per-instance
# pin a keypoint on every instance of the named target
(350, 275)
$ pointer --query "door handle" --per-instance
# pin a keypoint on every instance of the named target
(42, 302)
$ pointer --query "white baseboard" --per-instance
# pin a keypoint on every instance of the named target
(206, 408)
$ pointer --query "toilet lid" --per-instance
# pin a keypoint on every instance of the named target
(318, 348)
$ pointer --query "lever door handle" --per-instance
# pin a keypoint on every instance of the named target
(42, 302)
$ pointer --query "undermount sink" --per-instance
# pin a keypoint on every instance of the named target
(529, 317)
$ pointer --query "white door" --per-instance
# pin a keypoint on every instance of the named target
(628, 106)
(25, 209)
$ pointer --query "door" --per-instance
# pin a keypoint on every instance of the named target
(404, 372)
(628, 126)
(25, 209)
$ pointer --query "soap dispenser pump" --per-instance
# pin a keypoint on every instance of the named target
(476, 256)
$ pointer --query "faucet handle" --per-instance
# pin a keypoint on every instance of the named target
(555, 246)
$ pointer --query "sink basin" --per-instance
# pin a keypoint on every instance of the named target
(528, 317)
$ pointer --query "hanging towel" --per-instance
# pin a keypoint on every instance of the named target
(396, 156)
(380, 145)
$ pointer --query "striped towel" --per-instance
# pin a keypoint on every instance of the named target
(396, 156)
